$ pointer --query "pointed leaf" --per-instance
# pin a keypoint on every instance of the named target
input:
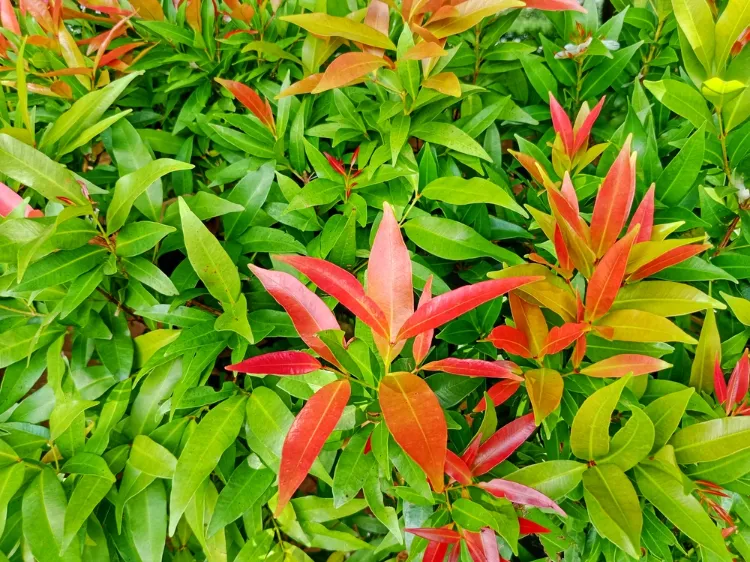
(475, 368)
(625, 364)
(589, 434)
(608, 276)
(278, 363)
(520, 494)
(502, 444)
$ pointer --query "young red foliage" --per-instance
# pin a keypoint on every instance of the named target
(435, 551)
(502, 444)
(555, 5)
(583, 131)
(278, 363)
(476, 368)
(560, 337)
(472, 449)
(423, 341)
(9, 200)
(621, 365)
(529, 527)
(475, 545)
(440, 534)
(416, 421)
(720, 383)
(530, 320)
(307, 435)
(8, 17)
(251, 100)
(453, 304)
(510, 339)
(738, 382)
(644, 216)
(342, 286)
(489, 545)
(456, 468)
(668, 259)
(561, 123)
(498, 393)
(608, 276)
(520, 494)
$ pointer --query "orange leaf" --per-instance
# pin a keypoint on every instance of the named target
(8, 17)
(561, 337)
(608, 276)
(502, 444)
(510, 339)
(530, 320)
(118, 52)
(342, 286)
(347, 69)
(422, 342)
(452, 304)
(468, 14)
(446, 83)
(644, 216)
(621, 365)
(530, 165)
(307, 435)
(378, 18)
(193, 15)
(612, 205)
(304, 86)
(416, 421)
(251, 100)
(278, 363)
(498, 393)
(308, 312)
(476, 368)
(668, 259)
(424, 50)
(475, 546)
(562, 125)
(389, 280)
(555, 5)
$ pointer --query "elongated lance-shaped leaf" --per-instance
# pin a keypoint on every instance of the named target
(456, 468)
(589, 435)
(644, 216)
(530, 320)
(502, 444)
(422, 342)
(584, 124)
(476, 368)
(510, 339)
(416, 421)
(738, 382)
(607, 277)
(440, 534)
(309, 432)
(251, 100)
(561, 123)
(520, 494)
(624, 364)
(555, 5)
(499, 393)
(278, 363)
(9, 200)
(560, 337)
(347, 69)
(668, 259)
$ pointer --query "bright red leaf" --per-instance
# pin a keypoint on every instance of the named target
(416, 421)
(738, 382)
(475, 546)
(555, 5)
(8, 17)
(583, 130)
(502, 444)
(9, 200)
(423, 341)
(562, 125)
(471, 451)
(499, 393)
(608, 276)
(456, 468)
(511, 340)
(561, 337)
(529, 527)
(476, 368)
(435, 551)
(441, 534)
(251, 100)
(520, 494)
(278, 363)
(644, 216)
(720, 384)
(668, 259)
(307, 435)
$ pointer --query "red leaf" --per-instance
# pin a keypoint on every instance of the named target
(251, 100)
(568, 190)
(520, 494)
(422, 342)
(308, 312)
(530, 165)
(530, 320)
(118, 52)
(563, 255)
(562, 125)
(9, 200)
(476, 368)
(502, 444)
(453, 304)
(8, 17)
(555, 5)
(278, 363)
(510, 339)
(644, 216)
(475, 546)
(416, 421)
(114, 32)
(607, 278)
(348, 69)
(529, 527)
(435, 552)
(457, 469)
(343, 286)
(612, 205)
(307, 435)
(582, 133)
(621, 365)
(489, 545)
(439, 535)
(336, 164)
(389, 281)
(738, 382)
(720, 384)
(499, 393)
(471, 451)
(565, 210)
(561, 337)
(668, 259)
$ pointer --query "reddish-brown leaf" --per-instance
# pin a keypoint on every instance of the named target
(342, 286)
(377, 17)
(562, 125)
(416, 421)
(452, 304)
(499, 393)
(608, 276)
(389, 279)
(644, 216)
(9, 200)
(530, 320)
(308, 312)
(347, 69)
(529, 527)
(555, 5)
(612, 205)
(627, 363)
(668, 259)
(476, 368)
(510, 339)
(520, 494)
(738, 382)
(278, 363)
(442, 534)
(457, 469)
(502, 444)
(720, 384)
(561, 337)
(251, 100)
(422, 342)
(307, 435)
(583, 130)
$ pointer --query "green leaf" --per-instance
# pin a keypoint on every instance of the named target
(706, 353)
(470, 515)
(245, 487)
(685, 101)
(453, 240)
(602, 77)
(697, 23)
(269, 240)
(589, 434)
(61, 267)
(151, 458)
(677, 179)
(147, 273)
(250, 192)
(553, 478)
(399, 133)
(666, 413)
(317, 192)
(131, 186)
(209, 260)
(146, 522)
(449, 136)
(542, 80)
(352, 469)
(711, 440)
(324, 25)
(138, 237)
(740, 307)
(632, 443)
(234, 319)
(459, 191)
(613, 507)
(88, 493)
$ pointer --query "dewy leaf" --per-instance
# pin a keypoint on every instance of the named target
(209, 260)
(128, 188)
(307, 435)
(416, 421)
(214, 434)
(459, 191)
(325, 25)
(589, 433)
(613, 507)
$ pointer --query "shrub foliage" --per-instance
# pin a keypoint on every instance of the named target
(302, 280)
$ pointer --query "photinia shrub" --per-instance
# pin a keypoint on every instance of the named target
(379, 281)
